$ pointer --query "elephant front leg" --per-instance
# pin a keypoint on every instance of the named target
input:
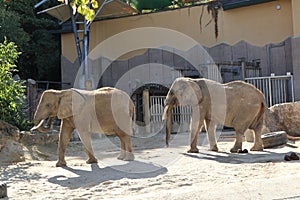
(64, 138)
(211, 127)
(86, 140)
(195, 126)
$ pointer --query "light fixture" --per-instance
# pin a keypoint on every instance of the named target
(278, 7)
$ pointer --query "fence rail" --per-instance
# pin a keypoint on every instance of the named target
(277, 89)
(180, 113)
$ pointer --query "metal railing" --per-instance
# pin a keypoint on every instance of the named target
(181, 114)
(277, 89)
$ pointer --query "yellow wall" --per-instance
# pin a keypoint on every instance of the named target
(258, 25)
(296, 17)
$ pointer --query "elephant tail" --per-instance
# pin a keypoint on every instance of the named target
(259, 120)
(133, 114)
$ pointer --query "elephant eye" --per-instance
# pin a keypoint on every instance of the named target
(48, 105)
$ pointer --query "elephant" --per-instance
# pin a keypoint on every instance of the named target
(106, 110)
(235, 104)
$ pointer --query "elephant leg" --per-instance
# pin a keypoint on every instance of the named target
(258, 143)
(86, 141)
(211, 127)
(238, 141)
(195, 126)
(122, 150)
(126, 147)
(64, 138)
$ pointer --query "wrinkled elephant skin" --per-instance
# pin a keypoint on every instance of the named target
(106, 110)
(235, 104)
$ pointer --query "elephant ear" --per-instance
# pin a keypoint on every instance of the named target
(71, 103)
(196, 94)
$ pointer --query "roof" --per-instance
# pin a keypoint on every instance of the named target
(114, 8)
(230, 4)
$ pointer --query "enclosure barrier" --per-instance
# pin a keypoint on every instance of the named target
(277, 89)
(181, 115)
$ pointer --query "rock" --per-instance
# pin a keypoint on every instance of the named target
(39, 138)
(249, 135)
(16, 146)
(283, 117)
(13, 152)
(9, 131)
(274, 139)
(3, 190)
(280, 117)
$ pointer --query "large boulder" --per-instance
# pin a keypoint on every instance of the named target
(283, 117)
(16, 146)
(8, 131)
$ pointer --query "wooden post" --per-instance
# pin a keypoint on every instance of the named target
(32, 97)
(146, 109)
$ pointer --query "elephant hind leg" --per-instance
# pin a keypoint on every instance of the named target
(239, 140)
(64, 138)
(122, 150)
(258, 143)
(126, 153)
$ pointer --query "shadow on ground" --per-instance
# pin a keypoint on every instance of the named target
(234, 158)
(97, 175)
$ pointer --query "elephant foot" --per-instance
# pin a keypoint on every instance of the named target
(121, 156)
(129, 157)
(214, 148)
(257, 148)
(235, 149)
(91, 160)
(61, 164)
(193, 150)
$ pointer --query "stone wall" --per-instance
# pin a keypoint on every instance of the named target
(277, 59)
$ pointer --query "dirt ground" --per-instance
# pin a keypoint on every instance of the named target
(157, 172)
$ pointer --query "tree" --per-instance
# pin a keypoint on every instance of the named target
(83, 7)
(12, 98)
(40, 58)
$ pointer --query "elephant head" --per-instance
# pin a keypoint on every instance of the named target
(54, 103)
(183, 92)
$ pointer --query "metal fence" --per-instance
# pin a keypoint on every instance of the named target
(180, 115)
(277, 89)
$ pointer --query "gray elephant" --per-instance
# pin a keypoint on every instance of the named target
(106, 110)
(236, 104)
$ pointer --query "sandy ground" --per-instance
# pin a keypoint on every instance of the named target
(157, 172)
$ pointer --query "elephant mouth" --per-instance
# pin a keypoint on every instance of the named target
(43, 125)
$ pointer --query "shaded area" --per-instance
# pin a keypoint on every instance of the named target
(18, 173)
(232, 158)
(99, 175)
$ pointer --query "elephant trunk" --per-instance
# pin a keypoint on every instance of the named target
(167, 116)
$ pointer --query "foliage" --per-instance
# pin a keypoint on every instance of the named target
(40, 47)
(12, 98)
(83, 7)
